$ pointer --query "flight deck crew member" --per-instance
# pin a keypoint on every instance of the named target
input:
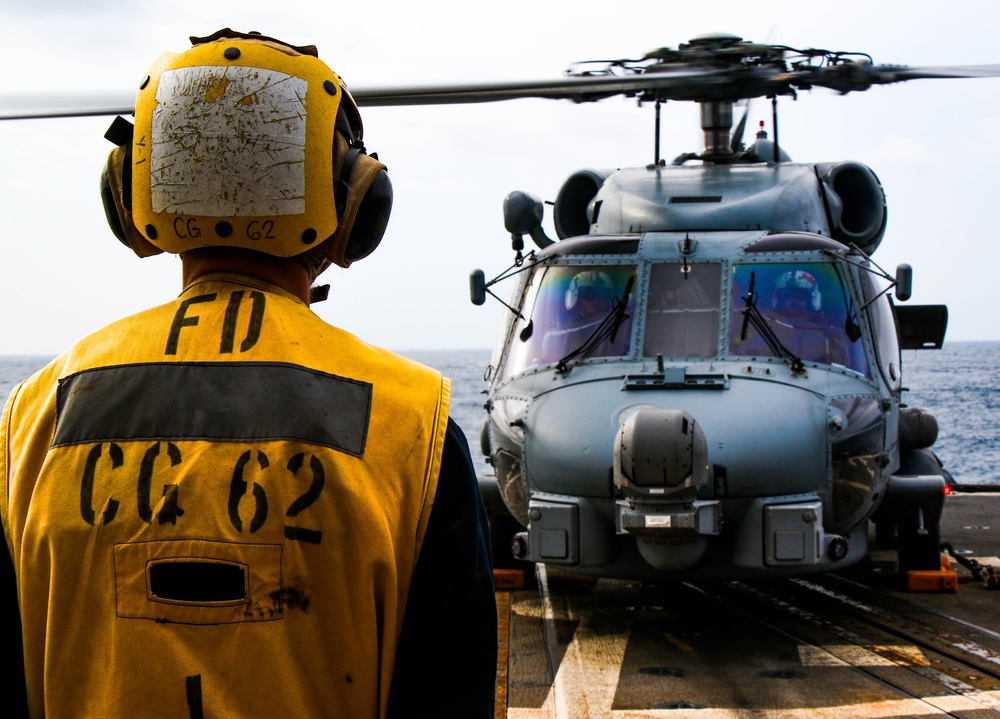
(223, 506)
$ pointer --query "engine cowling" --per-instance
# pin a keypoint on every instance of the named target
(855, 203)
(573, 214)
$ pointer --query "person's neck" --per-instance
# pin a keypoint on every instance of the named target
(283, 272)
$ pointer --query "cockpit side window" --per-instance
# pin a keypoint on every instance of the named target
(808, 307)
(682, 311)
(573, 309)
(883, 321)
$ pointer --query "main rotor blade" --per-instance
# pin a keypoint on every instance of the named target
(696, 83)
(855, 77)
(682, 84)
(945, 72)
(33, 107)
(674, 84)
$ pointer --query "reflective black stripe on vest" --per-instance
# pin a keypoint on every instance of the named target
(215, 401)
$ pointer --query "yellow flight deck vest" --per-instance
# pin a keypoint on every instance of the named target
(214, 509)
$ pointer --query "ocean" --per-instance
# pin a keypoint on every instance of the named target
(959, 384)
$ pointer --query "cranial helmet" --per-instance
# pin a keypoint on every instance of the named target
(801, 284)
(589, 283)
(245, 141)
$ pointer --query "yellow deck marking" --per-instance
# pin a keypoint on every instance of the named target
(677, 643)
(503, 654)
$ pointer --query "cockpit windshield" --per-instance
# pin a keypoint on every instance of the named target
(580, 311)
(808, 309)
(803, 312)
(682, 310)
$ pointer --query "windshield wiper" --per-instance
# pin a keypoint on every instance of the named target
(606, 329)
(753, 316)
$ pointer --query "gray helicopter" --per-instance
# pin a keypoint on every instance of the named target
(702, 377)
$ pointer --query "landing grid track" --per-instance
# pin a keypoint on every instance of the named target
(945, 662)
(826, 646)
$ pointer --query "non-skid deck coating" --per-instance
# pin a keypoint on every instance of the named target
(854, 645)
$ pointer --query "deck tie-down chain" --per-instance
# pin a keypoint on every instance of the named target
(980, 571)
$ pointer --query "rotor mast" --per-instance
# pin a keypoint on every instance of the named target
(716, 124)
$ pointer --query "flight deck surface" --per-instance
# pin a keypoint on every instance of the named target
(835, 645)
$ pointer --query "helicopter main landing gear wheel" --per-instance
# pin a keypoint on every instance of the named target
(908, 520)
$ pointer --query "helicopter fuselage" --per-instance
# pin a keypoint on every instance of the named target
(710, 398)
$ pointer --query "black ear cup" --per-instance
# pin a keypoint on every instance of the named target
(110, 210)
(371, 219)
(116, 191)
(362, 196)
(120, 134)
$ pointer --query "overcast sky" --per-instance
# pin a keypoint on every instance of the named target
(932, 143)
